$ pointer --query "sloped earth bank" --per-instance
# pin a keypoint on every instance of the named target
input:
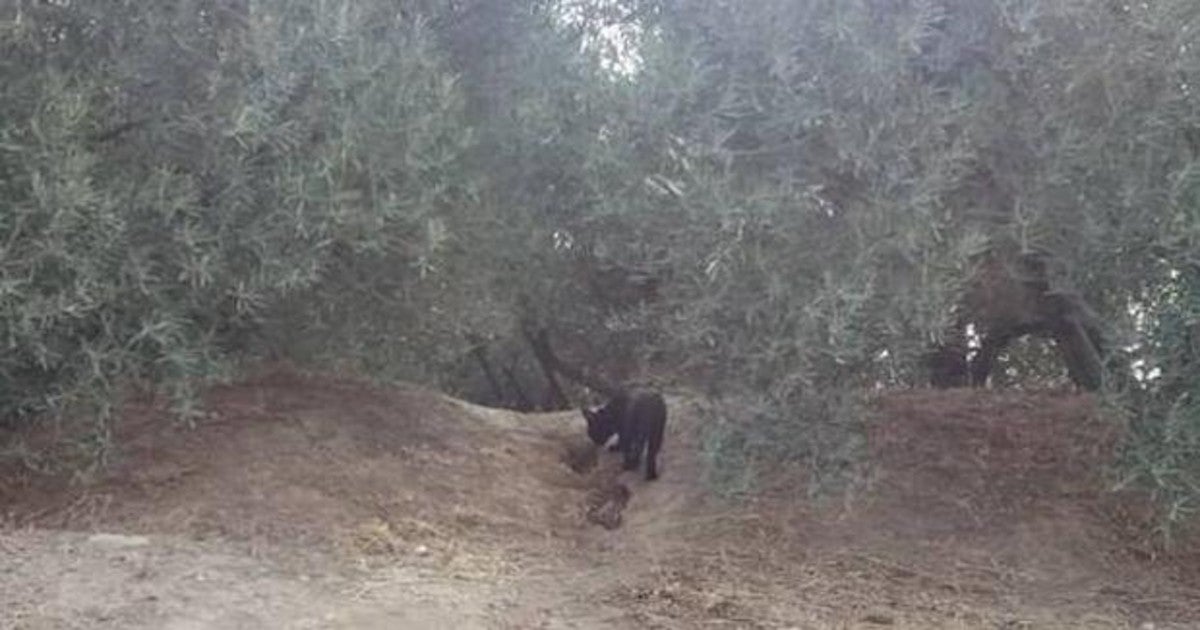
(318, 502)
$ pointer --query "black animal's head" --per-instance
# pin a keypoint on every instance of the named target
(601, 423)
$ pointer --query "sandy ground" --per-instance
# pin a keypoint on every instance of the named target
(307, 501)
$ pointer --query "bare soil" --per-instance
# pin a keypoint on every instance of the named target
(309, 501)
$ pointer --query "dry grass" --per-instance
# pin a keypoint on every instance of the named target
(984, 510)
(332, 463)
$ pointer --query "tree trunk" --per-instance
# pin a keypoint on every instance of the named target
(1082, 358)
(479, 351)
(523, 401)
(539, 341)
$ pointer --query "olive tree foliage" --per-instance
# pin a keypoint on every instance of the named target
(1138, 130)
(183, 184)
(790, 168)
(821, 176)
(780, 202)
(541, 104)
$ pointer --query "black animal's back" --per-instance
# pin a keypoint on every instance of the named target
(639, 419)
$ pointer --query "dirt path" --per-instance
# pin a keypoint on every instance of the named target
(312, 502)
(62, 580)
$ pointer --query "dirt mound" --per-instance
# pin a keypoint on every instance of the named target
(980, 509)
(1004, 492)
(1007, 471)
(291, 458)
(957, 462)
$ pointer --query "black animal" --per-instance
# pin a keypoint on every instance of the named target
(638, 418)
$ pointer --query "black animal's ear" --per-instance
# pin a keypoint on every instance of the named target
(588, 414)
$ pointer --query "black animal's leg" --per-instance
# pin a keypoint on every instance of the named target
(616, 446)
(655, 444)
(632, 450)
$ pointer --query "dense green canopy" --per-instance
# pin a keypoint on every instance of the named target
(780, 204)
